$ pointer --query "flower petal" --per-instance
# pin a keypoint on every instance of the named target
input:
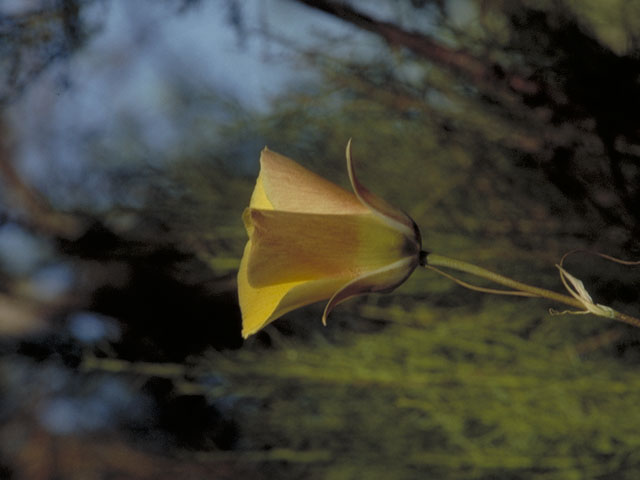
(306, 293)
(256, 304)
(260, 306)
(389, 214)
(291, 247)
(310, 240)
(383, 279)
(291, 187)
(259, 196)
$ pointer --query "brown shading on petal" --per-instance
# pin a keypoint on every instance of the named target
(289, 246)
(293, 188)
(384, 279)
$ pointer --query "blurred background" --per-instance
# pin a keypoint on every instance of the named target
(129, 141)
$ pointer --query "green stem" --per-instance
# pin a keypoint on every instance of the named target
(435, 260)
(623, 317)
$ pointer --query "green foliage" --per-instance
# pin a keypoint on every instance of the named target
(614, 23)
(451, 393)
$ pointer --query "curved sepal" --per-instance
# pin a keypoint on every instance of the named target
(390, 215)
(384, 279)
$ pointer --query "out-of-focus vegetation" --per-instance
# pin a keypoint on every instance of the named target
(447, 392)
(508, 130)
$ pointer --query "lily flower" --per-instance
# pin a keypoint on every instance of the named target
(311, 240)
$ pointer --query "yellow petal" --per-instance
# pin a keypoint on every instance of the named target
(291, 187)
(260, 306)
(257, 304)
(310, 240)
(292, 247)
(259, 197)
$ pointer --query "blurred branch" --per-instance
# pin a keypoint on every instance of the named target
(28, 205)
(564, 112)
(20, 317)
(479, 71)
(44, 455)
(34, 40)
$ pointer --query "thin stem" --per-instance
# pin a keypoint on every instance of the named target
(434, 260)
(623, 317)
(477, 288)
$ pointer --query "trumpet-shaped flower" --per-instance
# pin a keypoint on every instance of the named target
(311, 240)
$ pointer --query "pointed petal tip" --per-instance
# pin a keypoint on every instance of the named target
(347, 153)
(331, 304)
(267, 153)
(325, 314)
(264, 152)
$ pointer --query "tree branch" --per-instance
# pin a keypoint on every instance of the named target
(461, 62)
(27, 204)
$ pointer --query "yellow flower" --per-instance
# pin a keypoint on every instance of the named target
(311, 240)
